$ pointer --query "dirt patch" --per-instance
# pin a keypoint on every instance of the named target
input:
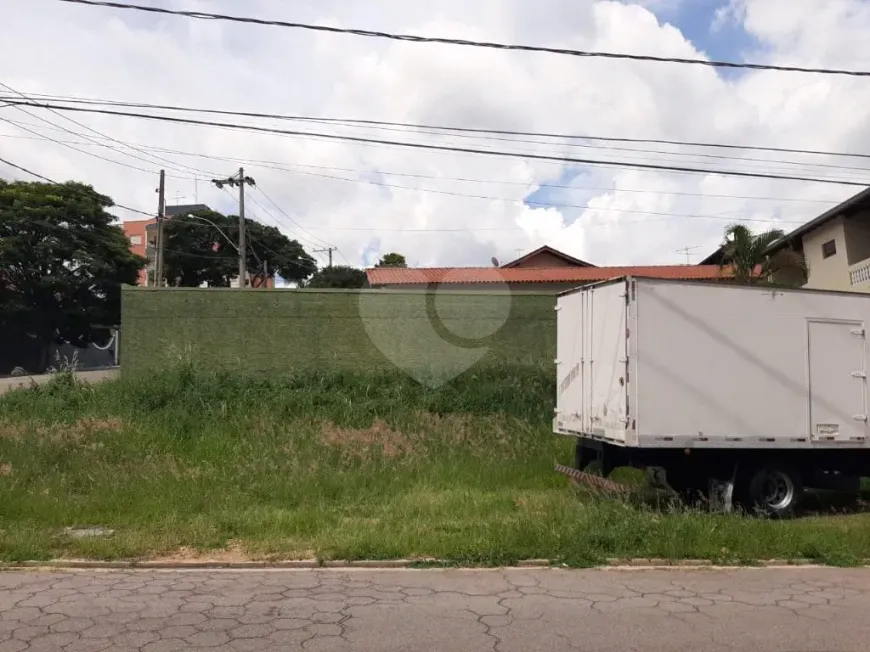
(89, 425)
(362, 441)
(10, 430)
(456, 428)
(232, 553)
(80, 430)
(5, 470)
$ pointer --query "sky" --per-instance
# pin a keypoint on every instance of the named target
(449, 208)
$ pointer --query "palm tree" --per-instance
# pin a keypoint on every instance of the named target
(745, 255)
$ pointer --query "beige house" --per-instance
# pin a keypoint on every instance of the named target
(836, 246)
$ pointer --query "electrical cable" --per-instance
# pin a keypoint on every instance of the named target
(468, 150)
(85, 152)
(748, 160)
(412, 38)
(103, 135)
(43, 178)
(405, 126)
(283, 212)
(293, 167)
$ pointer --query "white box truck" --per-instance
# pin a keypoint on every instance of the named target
(757, 391)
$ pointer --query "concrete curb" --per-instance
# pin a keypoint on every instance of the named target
(376, 564)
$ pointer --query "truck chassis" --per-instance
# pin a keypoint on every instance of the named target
(769, 481)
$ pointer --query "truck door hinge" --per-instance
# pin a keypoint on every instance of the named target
(860, 417)
(859, 374)
(858, 331)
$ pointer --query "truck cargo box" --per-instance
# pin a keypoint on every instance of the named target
(654, 363)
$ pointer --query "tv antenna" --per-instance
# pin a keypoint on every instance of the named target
(687, 252)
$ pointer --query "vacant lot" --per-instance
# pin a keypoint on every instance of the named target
(345, 466)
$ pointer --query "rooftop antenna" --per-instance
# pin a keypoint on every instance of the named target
(687, 252)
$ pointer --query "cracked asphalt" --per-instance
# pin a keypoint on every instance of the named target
(781, 610)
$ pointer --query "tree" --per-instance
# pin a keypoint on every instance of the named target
(196, 252)
(338, 276)
(203, 248)
(745, 254)
(62, 264)
(392, 260)
(271, 251)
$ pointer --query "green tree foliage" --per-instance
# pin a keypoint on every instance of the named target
(202, 248)
(392, 260)
(195, 251)
(62, 262)
(338, 276)
(745, 253)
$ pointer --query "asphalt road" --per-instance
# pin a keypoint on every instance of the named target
(88, 376)
(782, 610)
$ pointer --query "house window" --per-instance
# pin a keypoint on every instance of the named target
(829, 249)
(136, 239)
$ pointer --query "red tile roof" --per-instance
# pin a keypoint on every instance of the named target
(462, 275)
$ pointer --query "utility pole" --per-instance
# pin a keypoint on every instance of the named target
(161, 210)
(239, 179)
(327, 250)
(243, 276)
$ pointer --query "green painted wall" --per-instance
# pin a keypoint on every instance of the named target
(279, 331)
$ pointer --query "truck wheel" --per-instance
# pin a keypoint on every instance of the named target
(776, 490)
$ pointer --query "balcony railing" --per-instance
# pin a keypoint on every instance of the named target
(859, 273)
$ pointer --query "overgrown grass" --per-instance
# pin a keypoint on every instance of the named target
(339, 466)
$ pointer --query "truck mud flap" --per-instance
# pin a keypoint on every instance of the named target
(593, 481)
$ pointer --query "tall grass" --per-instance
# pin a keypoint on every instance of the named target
(337, 466)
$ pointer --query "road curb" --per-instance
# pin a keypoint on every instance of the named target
(384, 564)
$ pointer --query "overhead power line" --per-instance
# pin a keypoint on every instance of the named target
(81, 151)
(52, 181)
(532, 185)
(284, 213)
(25, 170)
(413, 38)
(431, 127)
(152, 157)
(455, 149)
(293, 225)
(442, 131)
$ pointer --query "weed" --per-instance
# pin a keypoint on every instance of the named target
(339, 466)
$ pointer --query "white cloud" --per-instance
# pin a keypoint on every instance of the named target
(50, 47)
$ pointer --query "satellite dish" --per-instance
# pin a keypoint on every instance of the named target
(494, 261)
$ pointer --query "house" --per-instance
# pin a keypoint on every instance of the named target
(543, 270)
(142, 235)
(546, 257)
(835, 246)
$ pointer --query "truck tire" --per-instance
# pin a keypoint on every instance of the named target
(775, 489)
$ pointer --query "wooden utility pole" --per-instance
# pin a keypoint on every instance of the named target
(241, 180)
(327, 250)
(161, 210)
